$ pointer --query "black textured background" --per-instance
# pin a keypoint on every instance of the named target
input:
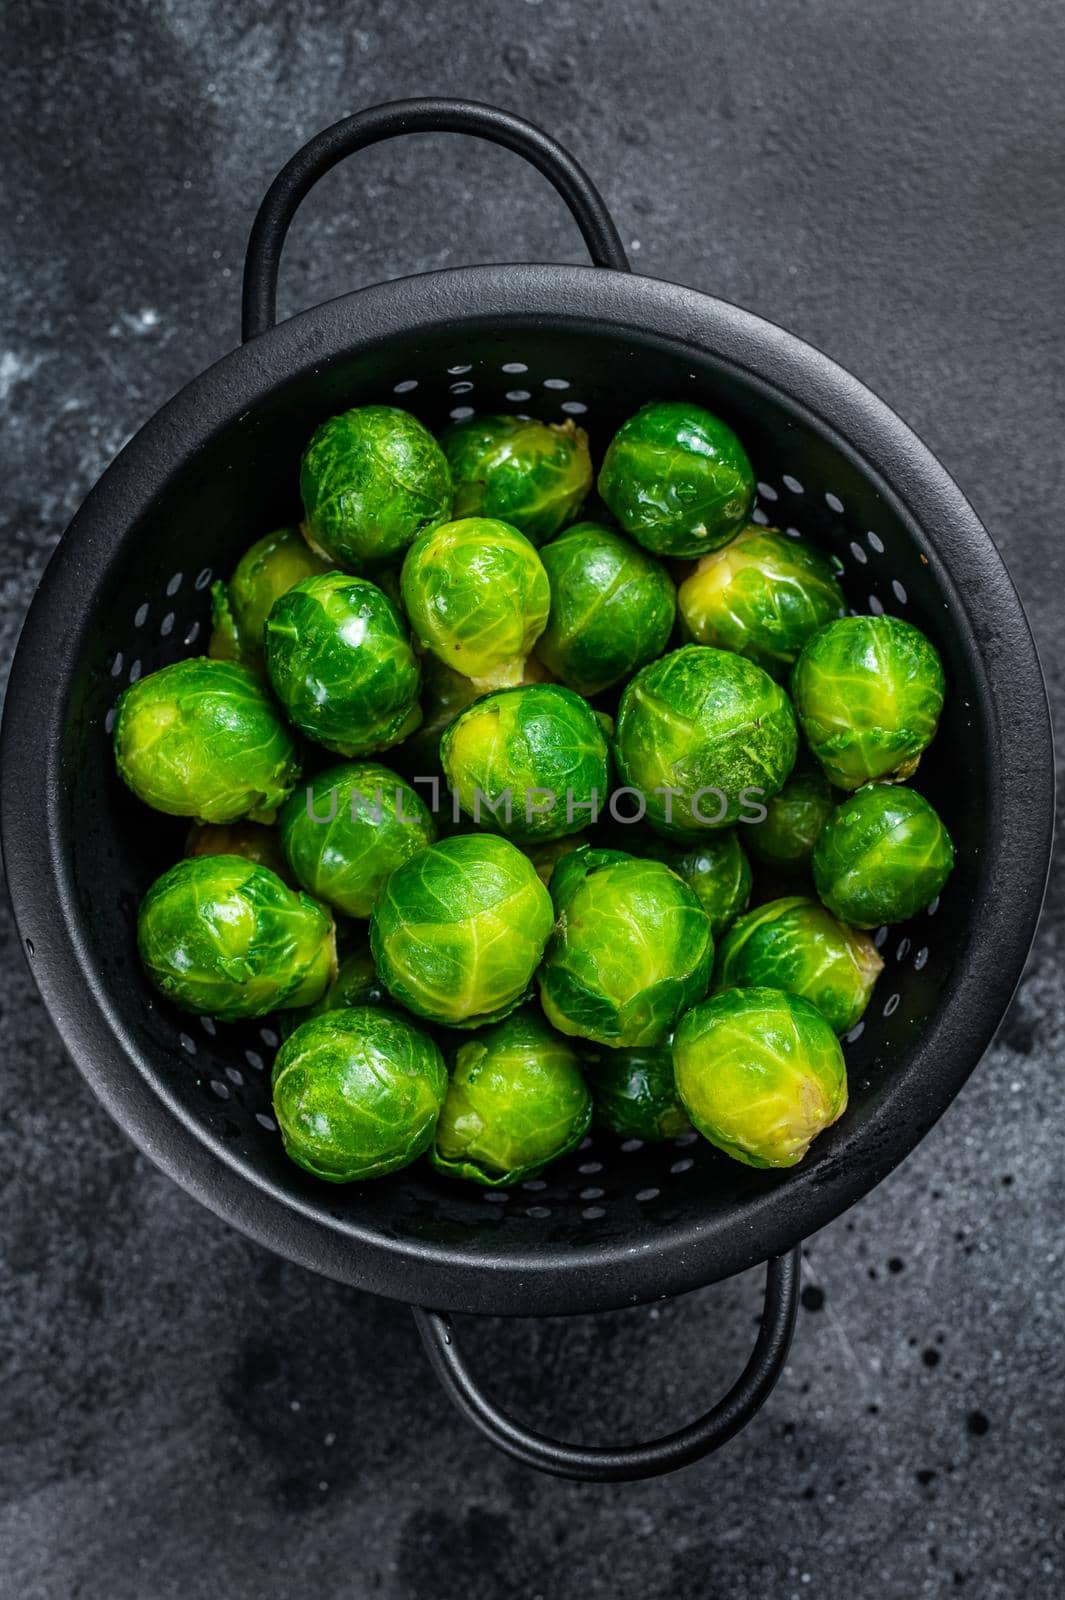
(183, 1414)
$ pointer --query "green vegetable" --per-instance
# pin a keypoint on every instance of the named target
(348, 829)
(868, 691)
(612, 608)
(357, 1093)
(546, 855)
(796, 945)
(340, 661)
(533, 475)
(530, 761)
(477, 596)
(677, 479)
(635, 1094)
(710, 732)
(444, 694)
(201, 739)
(372, 479)
(516, 1101)
(760, 1073)
(794, 819)
(460, 929)
(882, 856)
(223, 937)
(716, 869)
(356, 984)
(762, 595)
(631, 949)
(248, 839)
(241, 606)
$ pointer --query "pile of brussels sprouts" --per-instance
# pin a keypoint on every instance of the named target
(476, 787)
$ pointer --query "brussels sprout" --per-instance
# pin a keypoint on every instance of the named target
(516, 1101)
(762, 595)
(530, 761)
(631, 949)
(796, 945)
(477, 596)
(868, 691)
(356, 984)
(248, 839)
(460, 929)
(677, 479)
(635, 1095)
(882, 856)
(533, 475)
(241, 606)
(341, 663)
(357, 1093)
(760, 1073)
(794, 817)
(351, 827)
(704, 735)
(444, 694)
(201, 739)
(225, 938)
(716, 869)
(546, 855)
(612, 608)
(371, 480)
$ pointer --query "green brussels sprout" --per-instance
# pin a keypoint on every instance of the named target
(357, 1093)
(459, 930)
(372, 479)
(882, 856)
(356, 984)
(635, 1095)
(868, 691)
(546, 855)
(794, 818)
(762, 595)
(340, 661)
(240, 607)
(531, 474)
(796, 945)
(717, 870)
(477, 596)
(516, 1101)
(248, 839)
(612, 608)
(225, 938)
(760, 1073)
(530, 761)
(631, 949)
(677, 479)
(351, 827)
(703, 735)
(201, 739)
(444, 694)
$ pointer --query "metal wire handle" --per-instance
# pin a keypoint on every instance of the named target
(626, 1463)
(395, 117)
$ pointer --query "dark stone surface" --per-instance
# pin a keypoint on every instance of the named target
(185, 1415)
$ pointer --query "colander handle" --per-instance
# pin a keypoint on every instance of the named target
(628, 1462)
(320, 154)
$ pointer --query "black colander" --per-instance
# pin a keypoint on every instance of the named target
(127, 592)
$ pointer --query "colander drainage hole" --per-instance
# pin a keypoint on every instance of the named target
(517, 395)
(684, 1139)
(140, 616)
(891, 1005)
(254, 1060)
(556, 383)
(534, 1185)
(858, 553)
(899, 591)
(495, 1197)
(682, 1165)
(591, 1194)
(593, 1213)
(461, 388)
(856, 1032)
(767, 491)
(266, 1122)
(875, 543)
(574, 408)
(269, 1038)
(187, 1043)
(208, 1026)
(405, 386)
(166, 627)
(457, 371)
(538, 1211)
(834, 503)
(203, 577)
(792, 483)
(220, 1089)
(760, 516)
(643, 1195)
(921, 958)
(631, 1145)
(175, 584)
(588, 1169)
(876, 605)
(514, 366)
(235, 1075)
(193, 634)
(460, 413)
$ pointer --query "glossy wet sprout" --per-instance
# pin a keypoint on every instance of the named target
(201, 739)
(340, 661)
(631, 949)
(677, 479)
(883, 856)
(534, 475)
(760, 1073)
(357, 1093)
(263, 574)
(372, 479)
(477, 596)
(459, 930)
(516, 1101)
(635, 1094)
(444, 694)
(356, 984)
(716, 868)
(762, 595)
(348, 829)
(251, 840)
(223, 937)
(530, 762)
(704, 736)
(546, 855)
(795, 815)
(868, 692)
(612, 608)
(796, 945)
